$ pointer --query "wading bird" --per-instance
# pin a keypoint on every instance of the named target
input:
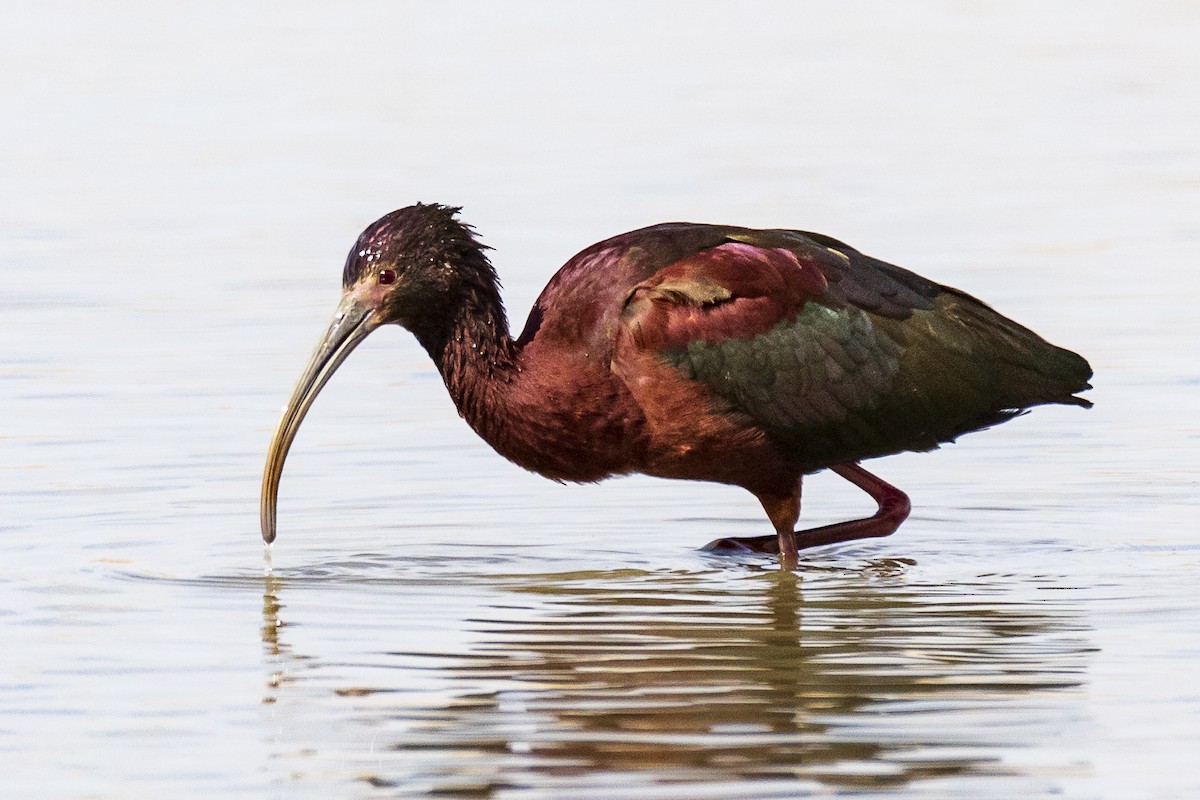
(706, 352)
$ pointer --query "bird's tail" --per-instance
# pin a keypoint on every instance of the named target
(1029, 370)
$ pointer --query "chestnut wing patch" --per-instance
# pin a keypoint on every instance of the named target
(732, 291)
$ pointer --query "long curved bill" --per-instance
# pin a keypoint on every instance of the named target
(351, 323)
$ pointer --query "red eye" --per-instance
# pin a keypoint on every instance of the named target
(387, 276)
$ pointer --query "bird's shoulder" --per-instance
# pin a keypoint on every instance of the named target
(581, 303)
(659, 277)
(746, 282)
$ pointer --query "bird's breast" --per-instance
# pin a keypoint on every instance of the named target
(566, 416)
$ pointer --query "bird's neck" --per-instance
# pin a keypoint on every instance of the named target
(477, 358)
(530, 409)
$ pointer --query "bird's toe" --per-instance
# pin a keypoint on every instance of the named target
(730, 545)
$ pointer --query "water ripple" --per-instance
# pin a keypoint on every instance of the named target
(564, 681)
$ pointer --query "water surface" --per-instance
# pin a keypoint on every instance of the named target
(183, 183)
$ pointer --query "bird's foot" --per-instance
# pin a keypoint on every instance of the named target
(730, 545)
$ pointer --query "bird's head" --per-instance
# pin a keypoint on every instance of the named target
(410, 265)
(408, 268)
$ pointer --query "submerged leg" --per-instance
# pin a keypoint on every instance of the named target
(783, 509)
(893, 510)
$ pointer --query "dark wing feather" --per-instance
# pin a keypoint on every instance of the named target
(839, 356)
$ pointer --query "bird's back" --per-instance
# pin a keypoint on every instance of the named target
(835, 355)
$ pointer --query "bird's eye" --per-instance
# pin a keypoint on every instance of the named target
(387, 276)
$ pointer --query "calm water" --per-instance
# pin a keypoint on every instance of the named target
(181, 185)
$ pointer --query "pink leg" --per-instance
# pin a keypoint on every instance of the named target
(893, 510)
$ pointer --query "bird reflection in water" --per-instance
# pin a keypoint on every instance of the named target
(275, 651)
(585, 680)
